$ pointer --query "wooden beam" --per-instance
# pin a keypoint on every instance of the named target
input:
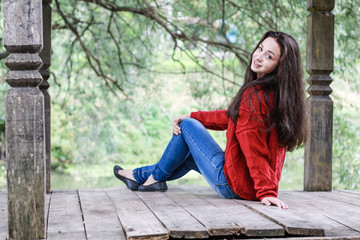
(319, 64)
(24, 119)
(45, 55)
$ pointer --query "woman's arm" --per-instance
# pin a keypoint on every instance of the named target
(264, 157)
(214, 120)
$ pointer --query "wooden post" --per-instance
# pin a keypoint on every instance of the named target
(24, 119)
(45, 55)
(319, 64)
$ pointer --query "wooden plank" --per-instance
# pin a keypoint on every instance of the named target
(348, 191)
(100, 222)
(47, 209)
(214, 219)
(340, 196)
(178, 222)
(308, 211)
(344, 213)
(65, 217)
(318, 238)
(64, 190)
(3, 215)
(137, 220)
(343, 196)
(293, 224)
(251, 223)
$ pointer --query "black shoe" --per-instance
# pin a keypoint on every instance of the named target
(130, 184)
(155, 187)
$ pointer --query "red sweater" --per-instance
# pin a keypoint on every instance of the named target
(253, 156)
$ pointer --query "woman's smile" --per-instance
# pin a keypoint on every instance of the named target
(256, 64)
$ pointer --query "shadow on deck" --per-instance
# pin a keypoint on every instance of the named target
(194, 212)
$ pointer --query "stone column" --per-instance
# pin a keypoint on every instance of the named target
(319, 64)
(44, 86)
(24, 119)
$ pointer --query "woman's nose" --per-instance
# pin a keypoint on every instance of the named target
(260, 57)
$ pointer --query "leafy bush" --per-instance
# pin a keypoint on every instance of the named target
(346, 152)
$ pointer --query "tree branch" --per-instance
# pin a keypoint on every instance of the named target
(89, 56)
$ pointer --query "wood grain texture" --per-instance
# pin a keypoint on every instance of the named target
(3, 215)
(100, 218)
(217, 222)
(346, 214)
(292, 223)
(319, 64)
(137, 220)
(65, 218)
(343, 196)
(307, 210)
(178, 222)
(112, 213)
(45, 56)
(251, 223)
(24, 119)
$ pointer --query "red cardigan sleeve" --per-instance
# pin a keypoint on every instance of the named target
(252, 135)
(214, 120)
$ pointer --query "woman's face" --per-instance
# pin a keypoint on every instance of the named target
(266, 57)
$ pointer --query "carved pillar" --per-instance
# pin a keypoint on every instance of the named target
(44, 86)
(24, 118)
(319, 64)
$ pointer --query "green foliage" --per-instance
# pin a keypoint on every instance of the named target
(2, 175)
(347, 35)
(346, 144)
(346, 154)
(119, 110)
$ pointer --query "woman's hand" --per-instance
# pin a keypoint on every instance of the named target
(274, 201)
(177, 121)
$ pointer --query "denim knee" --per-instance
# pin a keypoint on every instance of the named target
(190, 122)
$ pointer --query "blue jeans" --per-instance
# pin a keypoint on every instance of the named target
(193, 149)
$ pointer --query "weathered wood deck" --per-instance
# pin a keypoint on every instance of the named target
(194, 212)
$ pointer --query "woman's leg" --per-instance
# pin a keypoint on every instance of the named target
(175, 162)
(194, 149)
(208, 156)
(143, 173)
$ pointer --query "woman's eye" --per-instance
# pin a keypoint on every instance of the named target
(260, 48)
(269, 56)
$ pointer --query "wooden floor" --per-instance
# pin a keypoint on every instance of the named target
(195, 212)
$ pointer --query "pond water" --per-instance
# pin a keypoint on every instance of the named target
(101, 176)
(69, 181)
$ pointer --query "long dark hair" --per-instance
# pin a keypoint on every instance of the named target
(288, 113)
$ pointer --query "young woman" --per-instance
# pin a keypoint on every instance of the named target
(264, 120)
